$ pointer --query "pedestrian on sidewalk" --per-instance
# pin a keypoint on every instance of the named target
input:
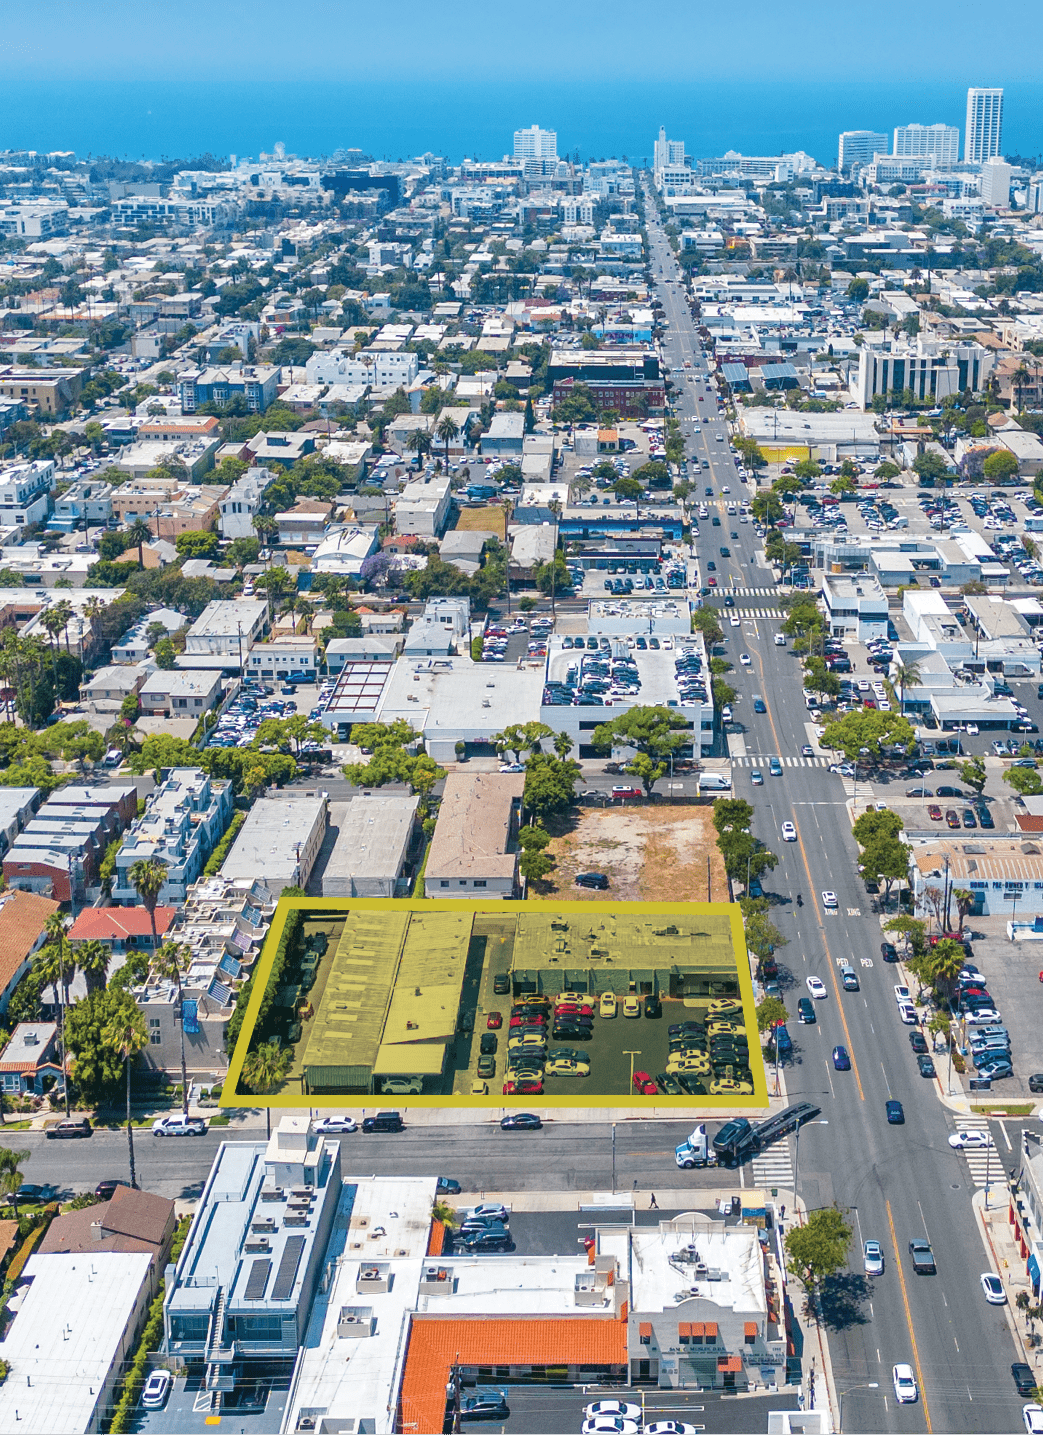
(652, 1202)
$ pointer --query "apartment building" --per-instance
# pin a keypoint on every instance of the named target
(280, 840)
(183, 821)
(983, 136)
(242, 502)
(25, 492)
(226, 629)
(85, 503)
(256, 384)
(49, 391)
(380, 369)
(858, 147)
(473, 851)
(180, 693)
(939, 142)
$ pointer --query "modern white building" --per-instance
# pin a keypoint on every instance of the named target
(939, 142)
(668, 153)
(226, 628)
(858, 147)
(380, 369)
(931, 368)
(280, 840)
(535, 144)
(423, 507)
(242, 502)
(856, 606)
(995, 183)
(25, 492)
(983, 138)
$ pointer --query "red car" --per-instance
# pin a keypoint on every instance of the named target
(644, 1084)
(933, 811)
(494, 1020)
(523, 1086)
(711, 582)
(622, 790)
(535, 1020)
(869, 704)
(573, 1010)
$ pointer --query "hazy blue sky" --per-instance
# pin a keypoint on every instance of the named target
(540, 39)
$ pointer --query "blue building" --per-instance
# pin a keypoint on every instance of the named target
(255, 384)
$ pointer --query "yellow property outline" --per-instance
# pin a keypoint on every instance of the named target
(729, 1102)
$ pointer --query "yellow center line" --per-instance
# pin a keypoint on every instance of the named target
(909, 1319)
(818, 912)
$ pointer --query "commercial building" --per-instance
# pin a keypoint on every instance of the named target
(183, 822)
(631, 399)
(995, 183)
(86, 502)
(280, 840)
(1003, 873)
(474, 849)
(289, 657)
(240, 1297)
(50, 391)
(256, 384)
(930, 368)
(70, 1340)
(376, 839)
(940, 143)
(856, 607)
(858, 147)
(983, 135)
(225, 632)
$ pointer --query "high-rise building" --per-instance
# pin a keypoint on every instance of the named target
(939, 142)
(995, 184)
(535, 144)
(857, 147)
(668, 152)
(984, 135)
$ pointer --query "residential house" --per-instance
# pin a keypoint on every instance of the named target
(131, 1221)
(17, 806)
(304, 526)
(242, 503)
(121, 929)
(23, 918)
(180, 693)
(474, 848)
(31, 1060)
(25, 492)
(134, 647)
(112, 684)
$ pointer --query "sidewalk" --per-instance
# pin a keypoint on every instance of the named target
(1008, 1263)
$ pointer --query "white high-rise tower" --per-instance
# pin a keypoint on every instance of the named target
(535, 144)
(983, 139)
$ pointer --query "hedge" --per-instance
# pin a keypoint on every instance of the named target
(25, 1252)
(292, 928)
(220, 853)
(123, 1417)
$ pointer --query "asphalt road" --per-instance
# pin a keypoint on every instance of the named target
(897, 1182)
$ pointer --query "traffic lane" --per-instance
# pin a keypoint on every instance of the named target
(539, 1409)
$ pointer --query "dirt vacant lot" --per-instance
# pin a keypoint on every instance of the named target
(651, 854)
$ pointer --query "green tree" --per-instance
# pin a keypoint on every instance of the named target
(98, 1061)
(534, 864)
(907, 676)
(930, 466)
(147, 876)
(550, 784)
(266, 1068)
(885, 859)
(446, 431)
(197, 544)
(92, 959)
(868, 729)
(165, 655)
(707, 622)
(770, 1011)
(858, 290)
(843, 484)
(127, 1034)
(1000, 466)
(973, 773)
(876, 824)
(912, 930)
(731, 815)
(762, 937)
(819, 1248)
(647, 770)
(767, 507)
(656, 731)
(418, 442)
(627, 488)
(1024, 780)
(886, 470)
(139, 534)
(11, 1176)
(522, 738)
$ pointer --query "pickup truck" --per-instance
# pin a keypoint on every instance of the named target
(922, 1256)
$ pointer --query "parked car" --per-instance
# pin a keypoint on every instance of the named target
(157, 1388)
(526, 1121)
(70, 1128)
(176, 1125)
(335, 1124)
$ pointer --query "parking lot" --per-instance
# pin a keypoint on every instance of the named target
(1012, 973)
(560, 1409)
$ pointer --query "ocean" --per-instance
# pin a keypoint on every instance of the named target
(399, 119)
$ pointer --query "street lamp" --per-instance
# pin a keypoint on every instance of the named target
(816, 1123)
(861, 1387)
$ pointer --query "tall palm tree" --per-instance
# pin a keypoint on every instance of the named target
(907, 676)
(11, 1177)
(147, 876)
(447, 431)
(139, 533)
(52, 622)
(419, 442)
(264, 1068)
(128, 1035)
(60, 970)
(65, 612)
(92, 959)
(1018, 380)
(92, 612)
(170, 962)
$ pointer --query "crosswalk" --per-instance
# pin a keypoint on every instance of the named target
(773, 1168)
(986, 1165)
(757, 613)
(790, 761)
(767, 593)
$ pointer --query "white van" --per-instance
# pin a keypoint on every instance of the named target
(714, 783)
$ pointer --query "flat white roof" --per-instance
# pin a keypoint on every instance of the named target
(67, 1334)
(734, 1252)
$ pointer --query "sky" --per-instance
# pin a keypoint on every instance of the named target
(690, 40)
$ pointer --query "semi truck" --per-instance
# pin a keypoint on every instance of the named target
(695, 1151)
(739, 1139)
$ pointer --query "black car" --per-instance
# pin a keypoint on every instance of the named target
(889, 952)
(502, 983)
(488, 1046)
(895, 1111)
(483, 1404)
(447, 1185)
(572, 1032)
(389, 1122)
(653, 1007)
(985, 818)
(35, 1192)
(529, 1121)
(925, 1065)
(1024, 1380)
(918, 1042)
(1036, 1083)
(592, 880)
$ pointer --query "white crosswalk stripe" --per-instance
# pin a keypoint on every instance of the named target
(750, 593)
(757, 613)
(985, 1164)
(773, 1168)
(790, 761)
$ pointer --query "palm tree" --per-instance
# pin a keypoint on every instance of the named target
(52, 622)
(92, 612)
(420, 444)
(169, 962)
(92, 959)
(59, 969)
(447, 431)
(147, 876)
(907, 676)
(128, 1035)
(65, 612)
(266, 528)
(11, 1177)
(140, 534)
(264, 1068)
(964, 900)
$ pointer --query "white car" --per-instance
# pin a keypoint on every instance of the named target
(902, 994)
(735, 622)
(904, 1381)
(156, 1388)
(488, 1211)
(335, 1125)
(873, 1258)
(816, 987)
(745, 660)
(970, 1138)
(984, 1018)
(619, 1426)
(829, 898)
(175, 1125)
(993, 1289)
(610, 1407)
(789, 833)
(669, 1429)
(512, 768)
(780, 641)
(907, 1013)
(1031, 1415)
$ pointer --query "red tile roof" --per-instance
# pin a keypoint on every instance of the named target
(111, 925)
(23, 917)
(435, 1343)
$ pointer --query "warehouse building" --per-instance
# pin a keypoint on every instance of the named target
(377, 836)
